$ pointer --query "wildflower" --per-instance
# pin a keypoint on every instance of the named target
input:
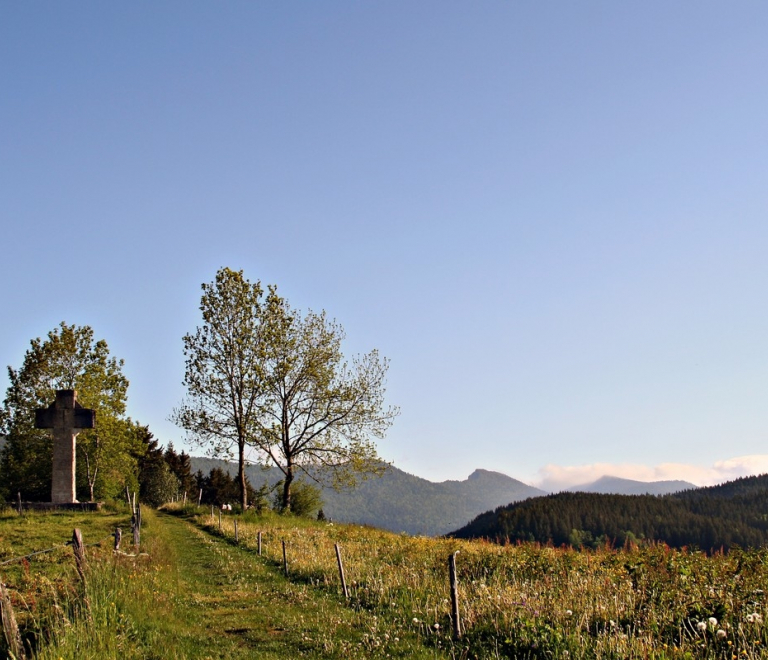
(568, 612)
(436, 626)
(701, 626)
(712, 621)
(721, 634)
(415, 620)
(755, 618)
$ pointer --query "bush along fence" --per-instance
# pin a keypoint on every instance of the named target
(525, 600)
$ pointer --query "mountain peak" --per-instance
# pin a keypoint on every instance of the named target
(480, 473)
(609, 484)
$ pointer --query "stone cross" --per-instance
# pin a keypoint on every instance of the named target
(67, 418)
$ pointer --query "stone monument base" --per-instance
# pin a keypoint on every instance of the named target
(60, 506)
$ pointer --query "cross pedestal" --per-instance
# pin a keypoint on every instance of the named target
(67, 418)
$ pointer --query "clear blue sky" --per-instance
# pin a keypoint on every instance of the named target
(550, 216)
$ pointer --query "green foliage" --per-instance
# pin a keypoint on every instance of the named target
(220, 488)
(261, 375)
(181, 466)
(260, 500)
(160, 485)
(306, 499)
(319, 412)
(69, 358)
(223, 370)
(725, 516)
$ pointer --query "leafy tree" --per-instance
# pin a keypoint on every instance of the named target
(223, 370)
(160, 485)
(306, 499)
(317, 410)
(69, 358)
(261, 375)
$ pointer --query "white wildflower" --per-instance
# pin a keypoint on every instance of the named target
(721, 634)
(568, 612)
(701, 626)
(712, 621)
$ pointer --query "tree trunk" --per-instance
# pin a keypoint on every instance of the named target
(241, 476)
(287, 487)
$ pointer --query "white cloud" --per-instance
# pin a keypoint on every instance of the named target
(558, 477)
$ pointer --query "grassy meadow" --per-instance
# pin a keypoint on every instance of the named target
(192, 592)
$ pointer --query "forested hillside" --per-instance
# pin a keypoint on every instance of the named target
(732, 514)
(402, 502)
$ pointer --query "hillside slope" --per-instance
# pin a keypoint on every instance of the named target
(731, 514)
(402, 502)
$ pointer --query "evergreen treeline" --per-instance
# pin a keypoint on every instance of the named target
(165, 475)
(732, 514)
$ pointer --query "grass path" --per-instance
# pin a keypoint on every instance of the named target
(232, 604)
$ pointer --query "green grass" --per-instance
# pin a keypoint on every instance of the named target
(195, 593)
(532, 601)
(188, 594)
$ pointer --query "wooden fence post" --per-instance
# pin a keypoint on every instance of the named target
(185, 498)
(341, 571)
(118, 538)
(10, 628)
(259, 543)
(136, 527)
(18, 503)
(454, 596)
(219, 521)
(237, 538)
(200, 497)
(79, 550)
(285, 561)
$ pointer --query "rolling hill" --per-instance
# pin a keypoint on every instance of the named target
(402, 502)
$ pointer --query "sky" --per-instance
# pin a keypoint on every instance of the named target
(550, 217)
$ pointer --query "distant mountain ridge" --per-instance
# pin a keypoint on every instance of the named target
(403, 502)
(608, 484)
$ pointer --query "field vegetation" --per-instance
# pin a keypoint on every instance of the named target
(533, 601)
(193, 592)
